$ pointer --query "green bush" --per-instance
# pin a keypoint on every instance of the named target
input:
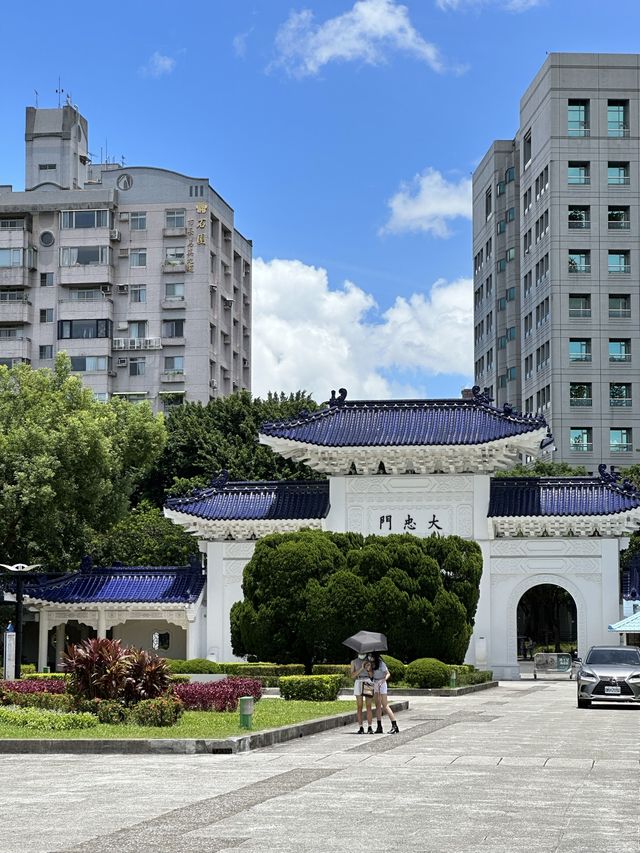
(111, 712)
(35, 719)
(156, 712)
(427, 673)
(261, 670)
(48, 701)
(179, 679)
(196, 666)
(395, 667)
(311, 688)
(47, 675)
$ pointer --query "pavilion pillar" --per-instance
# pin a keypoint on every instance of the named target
(61, 634)
(43, 639)
(102, 625)
(192, 639)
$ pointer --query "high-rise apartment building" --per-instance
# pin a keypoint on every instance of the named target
(556, 258)
(137, 273)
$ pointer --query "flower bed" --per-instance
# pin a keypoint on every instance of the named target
(217, 695)
(35, 685)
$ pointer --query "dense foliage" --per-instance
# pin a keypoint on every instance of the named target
(36, 719)
(427, 673)
(310, 688)
(305, 592)
(217, 695)
(544, 469)
(68, 464)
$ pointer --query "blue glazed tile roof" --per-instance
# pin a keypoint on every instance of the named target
(134, 584)
(559, 496)
(396, 423)
(255, 501)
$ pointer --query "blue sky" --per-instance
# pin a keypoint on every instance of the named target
(344, 135)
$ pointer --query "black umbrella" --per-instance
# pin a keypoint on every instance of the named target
(366, 641)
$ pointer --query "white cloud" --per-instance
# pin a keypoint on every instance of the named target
(307, 335)
(508, 5)
(428, 203)
(240, 43)
(158, 65)
(365, 33)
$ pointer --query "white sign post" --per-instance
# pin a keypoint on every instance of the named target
(9, 658)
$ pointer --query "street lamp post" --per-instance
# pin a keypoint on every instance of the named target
(19, 569)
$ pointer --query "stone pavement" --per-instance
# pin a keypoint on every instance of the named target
(516, 769)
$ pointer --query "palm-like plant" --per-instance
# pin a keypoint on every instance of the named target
(147, 676)
(98, 668)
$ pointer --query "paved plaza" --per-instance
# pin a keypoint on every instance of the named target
(515, 769)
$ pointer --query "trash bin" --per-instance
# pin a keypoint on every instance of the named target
(46, 669)
(246, 712)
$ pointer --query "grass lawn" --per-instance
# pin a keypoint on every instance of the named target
(268, 714)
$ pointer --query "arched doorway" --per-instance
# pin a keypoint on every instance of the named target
(547, 620)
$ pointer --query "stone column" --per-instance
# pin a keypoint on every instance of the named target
(61, 633)
(102, 624)
(43, 639)
(192, 639)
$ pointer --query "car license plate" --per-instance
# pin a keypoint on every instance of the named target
(612, 691)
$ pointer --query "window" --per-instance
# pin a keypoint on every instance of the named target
(138, 258)
(618, 262)
(510, 215)
(101, 396)
(90, 294)
(579, 261)
(489, 322)
(173, 328)
(490, 359)
(502, 303)
(502, 342)
(528, 405)
(10, 258)
(175, 218)
(620, 349)
(174, 364)
(137, 366)
(526, 243)
(500, 188)
(174, 256)
(46, 352)
(511, 254)
(46, 279)
(618, 174)
(512, 373)
(580, 394)
(502, 381)
(578, 118)
(46, 315)
(578, 173)
(527, 282)
(620, 440)
(542, 225)
(619, 305)
(543, 397)
(478, 261)
(479, 367)
(542, 312)
(618, 218)
(528, 367)
(501, 265)
(85, 256)
(526, 148)
(47, 167)
(581, 439)
(542, 355)
(620, 394)
(137, 328)
(90, 363)
(511, 333)
(527, 200)
(618, 118)
(510, 175)
(579, 217)
(138, 220)
(580, 305)
(580, 349)
(488, 286)
(477, 297)
(84, 219)
(528, 324)
(77, 329)
(138, 292)
(510, 294)
(542, 182)
(488, 208)
(542, 269)
(174, 291)
(501, 226)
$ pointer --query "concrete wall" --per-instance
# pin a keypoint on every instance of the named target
(139, 633)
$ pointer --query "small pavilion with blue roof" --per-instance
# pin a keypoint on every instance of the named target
(425, 467)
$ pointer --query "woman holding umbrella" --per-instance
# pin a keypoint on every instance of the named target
(361, 672)
(380, 676)
(370, 675)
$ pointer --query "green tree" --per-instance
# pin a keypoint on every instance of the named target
(305, 592)
(544, 469)
(144, 538)
(68, 464)
(223, 434)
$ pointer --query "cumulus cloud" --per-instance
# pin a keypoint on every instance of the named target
(508, 5)
(158, 65)
(428, 203)
(308, 335)
(366, 33)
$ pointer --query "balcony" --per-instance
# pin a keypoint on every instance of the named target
(172, 376)
(15, 345)
(86, 274)
(173, 266)
(85, 309)
(580, 357)
(15, 308)
(580, 401)
(173, 302)
(619, 313)
(619, 269)
(136, 343)
(579, 268)
(174, 342)
(14, 277)
(174, 232)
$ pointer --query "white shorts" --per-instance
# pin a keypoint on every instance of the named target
(380, 687)
(357, 688)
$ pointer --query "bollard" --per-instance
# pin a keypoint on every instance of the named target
(452, 679)
(246, 712)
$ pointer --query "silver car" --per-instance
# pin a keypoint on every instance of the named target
(609, 674)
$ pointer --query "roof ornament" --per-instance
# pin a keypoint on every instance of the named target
(612, 478)
(507, 409)
(339, 400)
(548, 440)
(481, 396)
(86, 563)
(220, 481)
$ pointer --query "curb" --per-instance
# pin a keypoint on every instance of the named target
(413, 691)
(184, 746)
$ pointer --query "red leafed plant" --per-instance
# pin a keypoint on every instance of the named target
(97, 668)
(217, 695)
(147, 676)
(35, 685)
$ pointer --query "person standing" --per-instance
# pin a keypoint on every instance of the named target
(362, 674)
(381, 676)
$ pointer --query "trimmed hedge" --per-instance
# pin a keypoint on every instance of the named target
(179, 679)
(196, 666)
(311, 688)
(395, 667)
(46, 676)
(427, 673)
(34, 685)
(38, 720)
(48, 701)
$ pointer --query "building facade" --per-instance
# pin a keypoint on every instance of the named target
(137, 273)
(556, 260)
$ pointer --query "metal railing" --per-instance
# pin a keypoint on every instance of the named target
(618, 224)
(578, 128)
(617, 313)
(136, 343)
(619, 356)
(620, 402)
(581, 447)
(580, 401)
(580, 312)
(575, 268)
(619, 269)
(13, 296)
(622, 447)
(579, 356)
(579, 223)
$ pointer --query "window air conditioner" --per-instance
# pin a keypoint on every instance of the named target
(124, 217)
(123, 253)
(123, 288)
(122, 362)
(123, 327)
(106, 288)
(114, 234)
